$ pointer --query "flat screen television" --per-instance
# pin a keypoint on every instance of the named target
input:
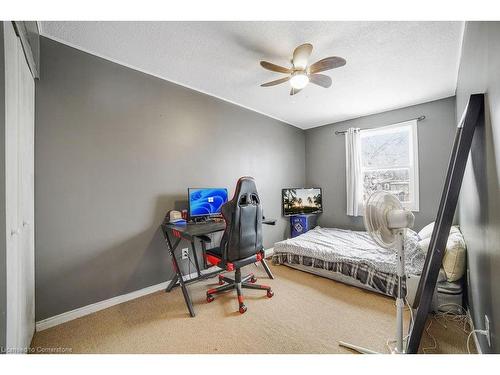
(297, 201)
(206, 201)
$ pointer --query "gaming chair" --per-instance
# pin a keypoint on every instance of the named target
(241, 243)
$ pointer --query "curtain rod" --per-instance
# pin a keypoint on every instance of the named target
(338, 132)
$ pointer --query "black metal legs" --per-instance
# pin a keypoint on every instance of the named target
(173, 283)
(266, 268)
(178, 275)
(238, 283)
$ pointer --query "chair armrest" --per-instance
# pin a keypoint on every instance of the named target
(269, 221)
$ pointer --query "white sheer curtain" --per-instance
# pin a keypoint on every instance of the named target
(353, 172)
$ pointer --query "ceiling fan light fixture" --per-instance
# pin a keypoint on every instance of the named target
(301, 73)
(299, 80)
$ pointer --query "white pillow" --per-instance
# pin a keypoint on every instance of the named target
(424, 244)
(454, 256)
(426, 231)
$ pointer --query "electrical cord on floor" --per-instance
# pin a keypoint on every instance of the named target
(468, 338)
(442, 317)
(434, 341)
(480, 331)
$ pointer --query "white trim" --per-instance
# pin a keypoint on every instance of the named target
(474, 335)
(89, 309)
(414, 182)
(69, 44)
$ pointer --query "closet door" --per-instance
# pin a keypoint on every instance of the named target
(19, 107)
(26, 244)
(12, 182)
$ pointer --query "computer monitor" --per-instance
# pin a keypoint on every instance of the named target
(206, 201)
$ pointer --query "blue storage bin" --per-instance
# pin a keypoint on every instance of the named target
(300, 224)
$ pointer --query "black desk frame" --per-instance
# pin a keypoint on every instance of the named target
(191, 233)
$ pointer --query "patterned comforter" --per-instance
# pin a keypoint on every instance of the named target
(353, 254)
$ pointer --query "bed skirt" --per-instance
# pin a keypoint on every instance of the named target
(368, 276)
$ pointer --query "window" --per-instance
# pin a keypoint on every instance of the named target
(389, 162)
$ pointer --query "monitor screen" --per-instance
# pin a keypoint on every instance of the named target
(301, 201)
(206, 202)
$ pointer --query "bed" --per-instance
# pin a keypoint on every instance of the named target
(352, 257)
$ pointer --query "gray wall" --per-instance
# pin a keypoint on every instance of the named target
(3, 243)
(114, 150)
(479, 209)
(325, 159)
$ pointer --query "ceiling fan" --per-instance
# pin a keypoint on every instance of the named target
(300, 74)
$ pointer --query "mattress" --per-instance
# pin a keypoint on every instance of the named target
(353, 254)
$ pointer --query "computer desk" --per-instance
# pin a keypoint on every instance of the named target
(175, 233)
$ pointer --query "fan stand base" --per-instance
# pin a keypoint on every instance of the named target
(362, 350)
(357, 348)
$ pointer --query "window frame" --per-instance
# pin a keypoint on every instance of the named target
(414, 188)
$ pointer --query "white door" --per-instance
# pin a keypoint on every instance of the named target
(19, 108)
(26, 245)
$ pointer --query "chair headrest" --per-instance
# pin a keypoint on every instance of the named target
(245, 189)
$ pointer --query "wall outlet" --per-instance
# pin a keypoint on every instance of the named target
(185, 253)
(487, 329)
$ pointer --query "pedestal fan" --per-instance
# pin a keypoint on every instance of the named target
(386, 220)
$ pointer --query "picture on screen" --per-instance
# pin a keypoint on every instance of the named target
(206, 202)
(301, 201)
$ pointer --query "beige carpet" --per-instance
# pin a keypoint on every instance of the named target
(308, 314)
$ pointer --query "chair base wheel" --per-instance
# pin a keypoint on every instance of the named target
(270, 294)
(243, 309)
(253, 279)
(210, 298)
(221, 281)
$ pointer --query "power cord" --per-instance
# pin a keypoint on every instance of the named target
(443, 317)
(480, 331)
(190, 262)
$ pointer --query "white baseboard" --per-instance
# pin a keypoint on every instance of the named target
(89, 309)
(268, 252)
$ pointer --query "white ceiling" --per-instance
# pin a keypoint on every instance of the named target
(389, 64)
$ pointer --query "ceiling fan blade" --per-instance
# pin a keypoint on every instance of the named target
(275, 68)
(294, 91)
(301, 55)
(276, 82)
(327, 63)
(320, 80)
